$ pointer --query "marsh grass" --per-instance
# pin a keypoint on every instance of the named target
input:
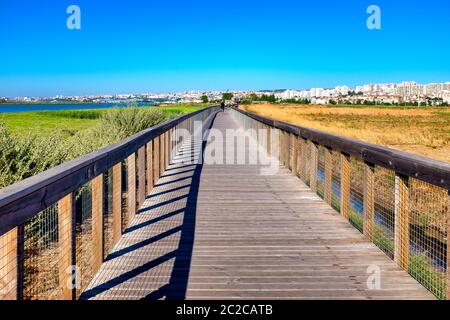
(424, 131)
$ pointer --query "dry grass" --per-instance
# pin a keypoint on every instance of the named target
(424, 131)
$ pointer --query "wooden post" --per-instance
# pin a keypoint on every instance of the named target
(155, 160)
(345, 185)
(328, 196)
(141, 175)
(117, 201)
(286, 149)
(66, 235)
(314, 164)
(369, 200)
(9, 265)
(296, 156)
(269, 140)
(131, 196)
(167, 156)
(280, 146)
(302, 165)
(290, 149)
(401, 231)
(149, 167)
(97, 222)
(161, 154)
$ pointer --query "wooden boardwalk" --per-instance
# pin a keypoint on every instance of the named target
(228, 232)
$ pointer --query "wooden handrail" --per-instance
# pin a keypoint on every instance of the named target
(422, 168)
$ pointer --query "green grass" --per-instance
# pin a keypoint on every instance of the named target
(356, 220)
(430, 277)
(382, 241)
(70, 121)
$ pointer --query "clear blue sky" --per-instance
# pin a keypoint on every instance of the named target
(142, 46)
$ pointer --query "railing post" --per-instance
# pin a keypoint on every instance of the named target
(345, 185)
(167, 156)
(314, 164)
(280, 146)
(162, 140)
(149, 167)
(369, 200)
(9, 265)
(117, 201)
(328, 175)
(401, 231)
(141, 175)
(155, 160)
(297, 156)
(97, 222)
(291, 151)
(269, 140)
(294, 156)
(66, 235)
(302, 162)
(131, 196)
(286, 149)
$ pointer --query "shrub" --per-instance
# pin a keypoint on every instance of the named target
(120, 123)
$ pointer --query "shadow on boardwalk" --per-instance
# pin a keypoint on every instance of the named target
(158, 211)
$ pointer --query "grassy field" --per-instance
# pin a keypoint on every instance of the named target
(69, 121)
(423, 131)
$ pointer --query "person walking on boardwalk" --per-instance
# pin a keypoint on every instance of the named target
(222, 106)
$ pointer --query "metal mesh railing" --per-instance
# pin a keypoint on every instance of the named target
(336, 180)
(428, 214)
(321, 172)
(356, 213)
(41, 255)
(83, 236)
(108, 218)
(384, 215)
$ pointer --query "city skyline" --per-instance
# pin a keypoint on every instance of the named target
(406, 92)
(176, 46)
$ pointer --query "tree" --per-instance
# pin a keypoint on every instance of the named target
(204, 98)
(227, 96)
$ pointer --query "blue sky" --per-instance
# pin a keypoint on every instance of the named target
(155, 46)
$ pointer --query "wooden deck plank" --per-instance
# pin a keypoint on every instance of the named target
(228, 232)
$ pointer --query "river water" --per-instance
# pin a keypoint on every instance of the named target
(62, 106)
